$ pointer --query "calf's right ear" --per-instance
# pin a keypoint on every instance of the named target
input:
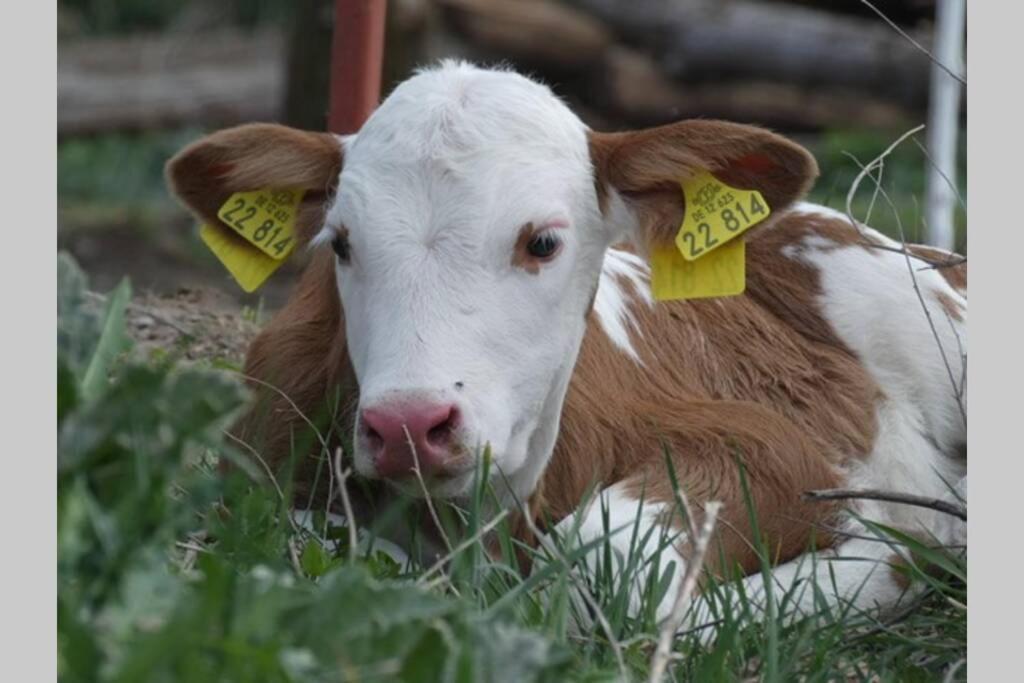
(253, 157)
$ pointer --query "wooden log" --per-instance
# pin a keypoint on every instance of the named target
(721, 40)
(634, 90)
(531, 31)
(144, 82)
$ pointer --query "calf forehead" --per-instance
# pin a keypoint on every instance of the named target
(465, 138)
(458, 109)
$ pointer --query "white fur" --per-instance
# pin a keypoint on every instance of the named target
(870, 301)
(434, 191)
(612, 304)
(633, 529)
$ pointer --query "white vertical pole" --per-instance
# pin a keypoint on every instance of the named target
(944, 123)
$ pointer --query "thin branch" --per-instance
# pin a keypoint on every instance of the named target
(426, 493)
(913, 42)
(325, 450)
(951, 674)
(295, 407)
(866, 170)
(889, 497)
(910, 268)
(293, 555)
(963, 357)
(270, 474)
(584, 591)
(945, 177)
(669, 628)
(483, 531)
(346, 503)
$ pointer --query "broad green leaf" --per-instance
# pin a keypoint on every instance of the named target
(315, 561)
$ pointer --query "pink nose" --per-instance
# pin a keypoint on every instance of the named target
(401, 434)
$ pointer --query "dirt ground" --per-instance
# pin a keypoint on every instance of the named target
(194, 324)
(184, 303)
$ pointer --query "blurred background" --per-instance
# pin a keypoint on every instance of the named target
(138, 79)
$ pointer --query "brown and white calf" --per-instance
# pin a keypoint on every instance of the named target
(464, 290)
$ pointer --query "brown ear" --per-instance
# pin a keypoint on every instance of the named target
(646, 166)
(256, 156)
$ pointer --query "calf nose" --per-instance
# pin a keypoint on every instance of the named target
(400, 435)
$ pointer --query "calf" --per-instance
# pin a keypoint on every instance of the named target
(479, 276)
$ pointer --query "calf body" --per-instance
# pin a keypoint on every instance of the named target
(474, 240)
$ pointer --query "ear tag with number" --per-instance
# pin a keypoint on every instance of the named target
(716, 214)
(256, 234)
(707, 259)
(720, 273)
(249, 266)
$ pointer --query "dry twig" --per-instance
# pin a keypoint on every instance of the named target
(483, 531)
(669, 627)
(584, 592)
(892, 24)
(865, 171)
(426, 493)
(270, 474)
(889, 497)
(346, 503)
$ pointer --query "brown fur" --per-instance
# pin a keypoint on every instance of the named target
(952, 267)
(737, 378)
(759, 378)
(898, 570)
(520, 256)
(301, 355)
(954, 309)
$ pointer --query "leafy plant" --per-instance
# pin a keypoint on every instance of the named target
(142, 597)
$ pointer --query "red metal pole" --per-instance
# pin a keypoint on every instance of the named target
(357, 55)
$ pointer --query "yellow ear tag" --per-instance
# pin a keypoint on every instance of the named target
(716, 214)
(249, 266)
(708, 260)
(265, 222)
(720, 273)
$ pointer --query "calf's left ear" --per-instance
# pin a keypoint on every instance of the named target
(645, 169)
(257, 156)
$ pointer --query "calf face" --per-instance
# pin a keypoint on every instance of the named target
(465, 227)
(470, 223)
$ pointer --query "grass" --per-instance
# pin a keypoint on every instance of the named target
(169, 571)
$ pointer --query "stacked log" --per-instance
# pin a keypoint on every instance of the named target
(793, 66)
(151, 82)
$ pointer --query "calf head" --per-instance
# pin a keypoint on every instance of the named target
(469, 221)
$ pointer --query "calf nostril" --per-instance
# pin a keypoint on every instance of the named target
(372, 436)
(441, 433)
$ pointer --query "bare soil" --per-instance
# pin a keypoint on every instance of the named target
(201, 324)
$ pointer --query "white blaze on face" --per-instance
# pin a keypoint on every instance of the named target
(441, 314)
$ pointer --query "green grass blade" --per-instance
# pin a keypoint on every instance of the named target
(113, 341)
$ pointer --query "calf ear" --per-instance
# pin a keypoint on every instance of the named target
(256, 156)
(645, 168)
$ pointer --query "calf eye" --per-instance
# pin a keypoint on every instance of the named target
(543, 246)
(341, 248)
